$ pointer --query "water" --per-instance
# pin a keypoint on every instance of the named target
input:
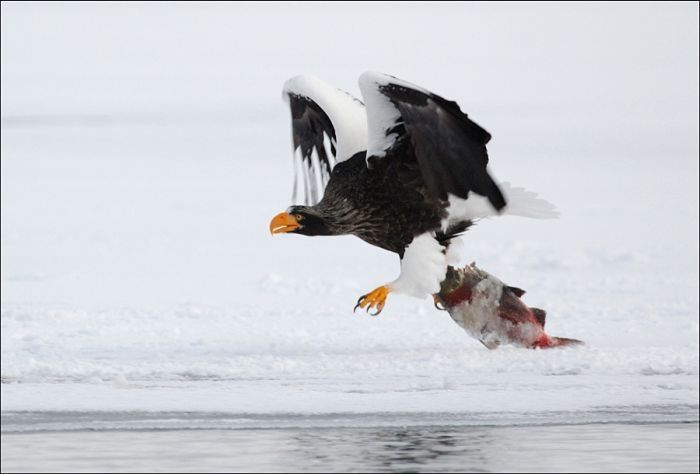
(594, 447)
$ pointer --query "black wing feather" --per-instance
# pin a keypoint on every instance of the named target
(310, 126)
(448, 146)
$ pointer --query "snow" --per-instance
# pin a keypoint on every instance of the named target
(140, 171)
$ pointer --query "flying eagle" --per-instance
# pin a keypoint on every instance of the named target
(405, 171)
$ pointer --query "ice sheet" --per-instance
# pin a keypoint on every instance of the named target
(140, 169)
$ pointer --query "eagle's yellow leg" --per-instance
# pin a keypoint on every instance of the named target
(375, 299)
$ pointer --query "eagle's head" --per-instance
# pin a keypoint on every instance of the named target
(305, 220)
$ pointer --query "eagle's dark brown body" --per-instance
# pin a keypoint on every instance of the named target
(385, 206)
(377, 205)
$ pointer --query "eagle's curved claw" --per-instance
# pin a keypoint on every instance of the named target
(375, 299)
(358, 304)
(438, 303)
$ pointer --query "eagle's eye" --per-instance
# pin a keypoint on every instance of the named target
(298, 217)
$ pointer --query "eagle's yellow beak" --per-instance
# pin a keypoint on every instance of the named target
(283, 223)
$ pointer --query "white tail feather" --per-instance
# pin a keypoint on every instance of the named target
(520, 202)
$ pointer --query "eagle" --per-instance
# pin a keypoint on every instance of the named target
(405, 171)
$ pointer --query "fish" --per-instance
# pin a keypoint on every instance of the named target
(493, 312)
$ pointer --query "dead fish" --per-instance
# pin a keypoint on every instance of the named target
(492, 312)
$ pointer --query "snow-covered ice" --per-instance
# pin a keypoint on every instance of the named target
(140, 171)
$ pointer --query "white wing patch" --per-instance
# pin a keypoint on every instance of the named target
(345, 112)
(381, 113)
(423, 267)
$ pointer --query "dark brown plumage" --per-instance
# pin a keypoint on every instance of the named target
(385, 206)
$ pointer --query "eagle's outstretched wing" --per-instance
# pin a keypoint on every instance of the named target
(328, 126)
(409, 123)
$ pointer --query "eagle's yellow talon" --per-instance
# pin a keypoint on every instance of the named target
(375, 299)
